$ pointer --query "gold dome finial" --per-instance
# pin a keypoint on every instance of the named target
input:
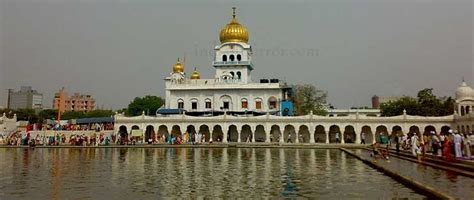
(234, 31)
(178, 67)
(195, 75)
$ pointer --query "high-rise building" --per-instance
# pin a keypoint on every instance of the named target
(25, 98)
(76, 102)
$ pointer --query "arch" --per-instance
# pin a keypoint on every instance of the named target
(445, 130)
(233, 134)
(224, 58)
(176, 131)
(333, 131)
(428, 129)
(349, 134)
(396, 133)
(123, 131)
(204, 130)
(289, 134)
(303, 134)
(319, 134)
(367, 135)
(462, 110)
(258, 103)
(135, 127)
(244, 104)
(275, 133)
(260, 135)
(191, 134)
(232, 74)
(272, 103)
(181, 103)
(226, 102)
(379, 131)
(208, 103)
(239, 57)
(468, 109)
(231, 57)
(246, 134)
(239, 75)
(194, 104)
(163, 133)
(414, 129)
(149, 133)
(217, 133)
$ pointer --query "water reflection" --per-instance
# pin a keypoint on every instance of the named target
(189, 173)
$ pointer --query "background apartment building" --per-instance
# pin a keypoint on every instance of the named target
(25, 98)
(76, 102)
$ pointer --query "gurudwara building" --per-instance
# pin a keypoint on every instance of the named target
(230, 107)
(231, 90)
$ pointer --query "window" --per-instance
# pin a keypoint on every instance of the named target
(244, 104)
(232, 74)
(231, 57)
(239, 75)
(272, 103)
(258, 104)
(226, 105)
(208, 105)
(194, 105)
(180, 104)
(224, 58)
(239, 57)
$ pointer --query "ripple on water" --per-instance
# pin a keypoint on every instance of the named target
(190, 173)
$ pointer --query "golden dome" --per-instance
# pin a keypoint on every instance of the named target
(234, 32)
(195, 75)
(178, 67)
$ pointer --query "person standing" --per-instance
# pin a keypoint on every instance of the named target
(337, 137)
(457, 144)
(415, 148)
(362, 138)
(467, 146)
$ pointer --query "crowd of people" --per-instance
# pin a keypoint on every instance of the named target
(448, 145)
(71, 127)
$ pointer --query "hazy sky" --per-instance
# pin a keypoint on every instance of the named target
(117, 50)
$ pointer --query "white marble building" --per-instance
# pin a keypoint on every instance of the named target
(231, 89)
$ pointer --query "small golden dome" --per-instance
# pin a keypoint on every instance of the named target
(195, 75)
(178, 67)
(234, 32)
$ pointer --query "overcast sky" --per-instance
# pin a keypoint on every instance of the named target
(117, 50)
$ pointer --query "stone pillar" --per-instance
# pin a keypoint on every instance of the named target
(239, 131)
(342, 135)
(253, 133)
(297, 134)
(225, 130)
(267, 130)
(311, 130)
(357, 139)
(327, 134)
(282, 134)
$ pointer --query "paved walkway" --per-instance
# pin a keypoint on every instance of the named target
(447, 182)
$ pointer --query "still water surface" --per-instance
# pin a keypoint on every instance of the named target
(140, 173)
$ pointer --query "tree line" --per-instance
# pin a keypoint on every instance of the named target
(425, 104)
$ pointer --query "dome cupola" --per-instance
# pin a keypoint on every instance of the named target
(464, 91)
(234, 31)
(178, 67)
(195, 75)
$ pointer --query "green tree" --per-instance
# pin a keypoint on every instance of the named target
(99, 113)
(72, 115)
(148, 104)
(47, 114)
(308, 98)
(426, 104)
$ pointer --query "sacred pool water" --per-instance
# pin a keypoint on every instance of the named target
(152, 173)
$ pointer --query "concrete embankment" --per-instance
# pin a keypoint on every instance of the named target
(410, 182)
